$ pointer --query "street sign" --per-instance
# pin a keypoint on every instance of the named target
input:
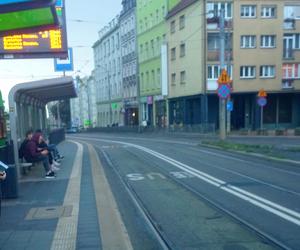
(224, 78)
(262, 101)
(223, 91)
(262, 93)
(61, 65)
(229, 106)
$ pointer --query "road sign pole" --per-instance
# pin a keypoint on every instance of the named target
(228, 118)
(261, 117)
(222, 111)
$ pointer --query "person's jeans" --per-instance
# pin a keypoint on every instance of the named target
(44, 159)
(53, 149)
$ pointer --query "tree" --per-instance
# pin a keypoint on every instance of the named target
(64, 110)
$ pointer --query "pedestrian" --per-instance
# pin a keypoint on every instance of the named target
(50, 147)
(2, 177)
(28, 137)
(32, 154)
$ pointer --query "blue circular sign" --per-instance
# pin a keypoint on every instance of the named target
(224, 91)
(262, 101)
(229, 106)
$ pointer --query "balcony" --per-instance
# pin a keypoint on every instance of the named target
(288, 54)
(287, 84)
(214, 55)
(289, 24)
(214, 23)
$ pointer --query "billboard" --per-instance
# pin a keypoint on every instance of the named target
(42, 44)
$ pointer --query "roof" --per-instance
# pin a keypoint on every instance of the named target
(45, 90)
(179, 7)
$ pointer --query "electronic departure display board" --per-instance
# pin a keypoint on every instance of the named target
(42, 44)
(20, 16)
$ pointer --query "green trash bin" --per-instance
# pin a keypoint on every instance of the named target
(9, 186)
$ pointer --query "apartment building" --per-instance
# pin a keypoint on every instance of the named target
(186, 63)
(129, 62)
(108, 76)
(151, 33)
(262, 52)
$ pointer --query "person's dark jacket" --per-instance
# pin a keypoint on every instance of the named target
(31, 150)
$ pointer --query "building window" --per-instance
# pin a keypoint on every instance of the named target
(182, 50)
(158, 76)
(248, 11)
(173, 79)
(213, 9)
(214, 71)
(292, 12)
(182, 22)
(172, 26)
(268, 11)
(182, 77)
(267, 71)
(173, 53)
(267, 41)
(247, 72)
(248, 42)
(291, 71)
(213, 41)
(153, 77)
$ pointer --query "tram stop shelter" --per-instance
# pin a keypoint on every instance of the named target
(27, 107)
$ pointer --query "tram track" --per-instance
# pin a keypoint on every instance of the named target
(162, 238)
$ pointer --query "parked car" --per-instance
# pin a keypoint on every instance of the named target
(72, 130)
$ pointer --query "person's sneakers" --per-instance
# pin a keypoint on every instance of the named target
(57, 160)
(56, 163)
(61, 157)
(54, 169)
(50, 175)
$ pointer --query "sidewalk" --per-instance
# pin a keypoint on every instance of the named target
(29, 222)
(58, 213)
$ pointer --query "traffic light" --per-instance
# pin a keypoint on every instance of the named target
(27, 16)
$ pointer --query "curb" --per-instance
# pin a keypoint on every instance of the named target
(252, 154)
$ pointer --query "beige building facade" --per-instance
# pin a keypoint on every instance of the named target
(262, 51)
(186, 62)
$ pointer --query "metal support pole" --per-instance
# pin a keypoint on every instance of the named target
(58, 115)
(261, 117)
(222, 105)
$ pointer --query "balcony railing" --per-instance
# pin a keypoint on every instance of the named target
(214, 23)
(289, 24)
(287, 84)
(214, 55)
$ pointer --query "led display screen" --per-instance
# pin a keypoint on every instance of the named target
(26, 19)
(42, 44)
(19, 16)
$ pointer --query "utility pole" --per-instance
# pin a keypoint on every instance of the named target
(222, 102)
(228, 62)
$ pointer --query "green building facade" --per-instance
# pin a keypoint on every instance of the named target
(151, 30)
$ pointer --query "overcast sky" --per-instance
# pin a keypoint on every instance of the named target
(81, 36)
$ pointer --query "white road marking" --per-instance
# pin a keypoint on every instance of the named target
(256, 200)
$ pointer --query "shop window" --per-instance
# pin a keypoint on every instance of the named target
(285, 109)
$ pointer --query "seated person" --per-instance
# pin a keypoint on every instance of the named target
(28, 137)
(50, 147)
(33, 154)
